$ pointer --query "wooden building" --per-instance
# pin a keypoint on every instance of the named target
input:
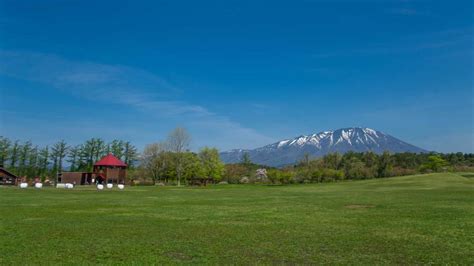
(77, 178)
(7, 178)
(109, 169)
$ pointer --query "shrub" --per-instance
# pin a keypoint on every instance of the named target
(332, 175)
(286, 177)
(233, 179)
(277, 176)
(244, 180)
(399, 171)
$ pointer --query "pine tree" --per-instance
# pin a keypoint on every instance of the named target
(130, 154)
(4, 150)
(23, 155)
(32, 165)
(92, 151)
(117, 148)
(100, 149)
(14, 154)
(73, 158)
(58, 152)
(43, 161)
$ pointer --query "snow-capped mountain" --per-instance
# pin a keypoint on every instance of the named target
(342, 140)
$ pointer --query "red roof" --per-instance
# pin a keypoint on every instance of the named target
(110, 160)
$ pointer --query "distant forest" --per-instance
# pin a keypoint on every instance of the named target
(351, 166)
(171, 162)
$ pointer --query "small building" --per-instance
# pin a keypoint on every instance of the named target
(7, 178)
(77, 178)
(110, 169)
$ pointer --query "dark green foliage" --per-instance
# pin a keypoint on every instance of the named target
(74, 158)
(435, 164)
(24, 151)
(279, 177)
(14, 155)
(32, 168)
(4, 150)
(385, 165)
(130, 154)
(332, 161)
(43, 162)
(58, 153)
(25, 159)
(354, 168)
(335, 167)
(117, 148)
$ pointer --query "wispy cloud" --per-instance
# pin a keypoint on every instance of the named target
(81, 78)
(129, 87)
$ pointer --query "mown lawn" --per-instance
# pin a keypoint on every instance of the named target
(403, 220)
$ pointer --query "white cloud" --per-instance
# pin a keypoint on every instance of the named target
(132, 88)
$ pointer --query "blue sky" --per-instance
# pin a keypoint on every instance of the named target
(236, 74)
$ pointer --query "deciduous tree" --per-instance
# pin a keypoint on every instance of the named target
(178, 142)
(385, 165)
(153, 160)
(435, 163)
(211, 165)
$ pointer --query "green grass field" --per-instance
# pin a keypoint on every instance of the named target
(402, 220)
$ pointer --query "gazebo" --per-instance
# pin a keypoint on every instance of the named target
(110, 169)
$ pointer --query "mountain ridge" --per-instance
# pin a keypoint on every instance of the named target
(289, 151)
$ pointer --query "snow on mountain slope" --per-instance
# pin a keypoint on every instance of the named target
(342, 140)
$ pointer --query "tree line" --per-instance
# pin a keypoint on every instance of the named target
(351, 165)
(29, 160)
(170, 161)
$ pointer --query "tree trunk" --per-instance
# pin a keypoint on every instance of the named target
(179, 173)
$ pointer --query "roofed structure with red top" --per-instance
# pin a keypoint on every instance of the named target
(110, 160)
